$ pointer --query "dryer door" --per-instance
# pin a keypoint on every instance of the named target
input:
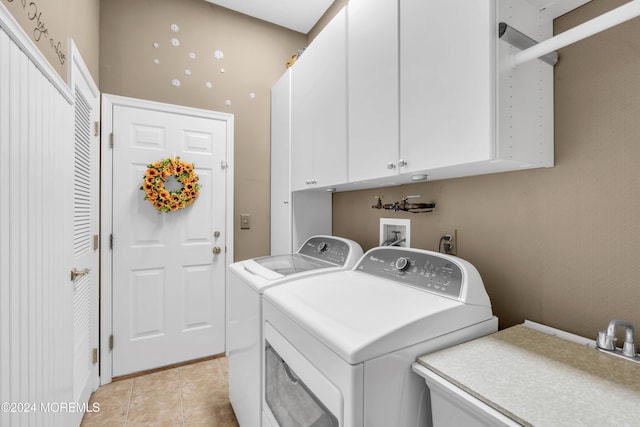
(297, 396)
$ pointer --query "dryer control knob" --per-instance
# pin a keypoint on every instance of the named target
(402, 264)
(323, 247)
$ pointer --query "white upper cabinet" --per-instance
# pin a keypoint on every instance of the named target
(373, 88)
(420, 87)
(319, 110)
(432, 91)
(447, 82)
(464, 110)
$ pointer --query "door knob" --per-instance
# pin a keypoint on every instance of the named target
(75, 273)
(217, 250)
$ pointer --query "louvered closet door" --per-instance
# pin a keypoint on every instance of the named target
(85, 226)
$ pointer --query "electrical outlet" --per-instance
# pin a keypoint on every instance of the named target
(450, 247)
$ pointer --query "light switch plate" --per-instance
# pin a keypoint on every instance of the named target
(245, 221)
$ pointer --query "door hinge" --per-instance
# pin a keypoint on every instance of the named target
(110, 342)
(96, 128)
(110, 241)
(111, 140)
(94, 354)
(96, 242)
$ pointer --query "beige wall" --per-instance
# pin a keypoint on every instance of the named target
(50, 23)
(255, 54)
(559, 246)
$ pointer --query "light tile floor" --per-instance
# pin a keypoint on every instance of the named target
(190, 395)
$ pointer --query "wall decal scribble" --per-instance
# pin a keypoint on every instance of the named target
(40, 29)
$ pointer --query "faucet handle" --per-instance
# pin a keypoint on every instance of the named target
(606, 341)
(629, 349)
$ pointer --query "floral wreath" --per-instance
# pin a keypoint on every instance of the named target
(156, 176)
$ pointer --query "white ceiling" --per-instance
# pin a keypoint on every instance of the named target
(297, 15)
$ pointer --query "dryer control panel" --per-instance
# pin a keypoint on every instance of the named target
(425, 270)
(326, 249)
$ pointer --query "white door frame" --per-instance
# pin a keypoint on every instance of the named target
(106, 303)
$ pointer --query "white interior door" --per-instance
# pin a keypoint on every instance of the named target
(86, 257)
(167, 282)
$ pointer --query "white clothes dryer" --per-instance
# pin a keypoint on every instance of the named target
(338, 347)
(246, 282)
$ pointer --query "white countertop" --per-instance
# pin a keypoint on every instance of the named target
(538, 379)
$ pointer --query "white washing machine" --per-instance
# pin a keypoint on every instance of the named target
(246, 282)
(338, 348)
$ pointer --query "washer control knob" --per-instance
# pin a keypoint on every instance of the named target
(323, 247)
(402, 264)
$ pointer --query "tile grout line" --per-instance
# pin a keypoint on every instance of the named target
(126, 417)
(181, 400)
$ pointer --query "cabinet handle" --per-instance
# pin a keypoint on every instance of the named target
(311, 181)
(402, 163)
(285, 202)
(391, 165)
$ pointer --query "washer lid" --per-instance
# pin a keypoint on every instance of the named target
(360, 316)
(284, 265)
(317, 255)
(316, 252)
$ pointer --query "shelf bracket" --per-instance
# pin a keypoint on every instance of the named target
(596, 25)
(522, 41)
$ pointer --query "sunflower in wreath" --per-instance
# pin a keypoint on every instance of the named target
(156, 177)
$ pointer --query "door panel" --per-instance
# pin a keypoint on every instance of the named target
(168, 285)
(446, 110)
(85, 254)
(373, 88)
(281, 166)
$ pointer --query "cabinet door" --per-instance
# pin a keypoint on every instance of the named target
(319, 109)
(373, 88)
(447, 107)
(329, 146)
(280, 167)
(302, 89)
